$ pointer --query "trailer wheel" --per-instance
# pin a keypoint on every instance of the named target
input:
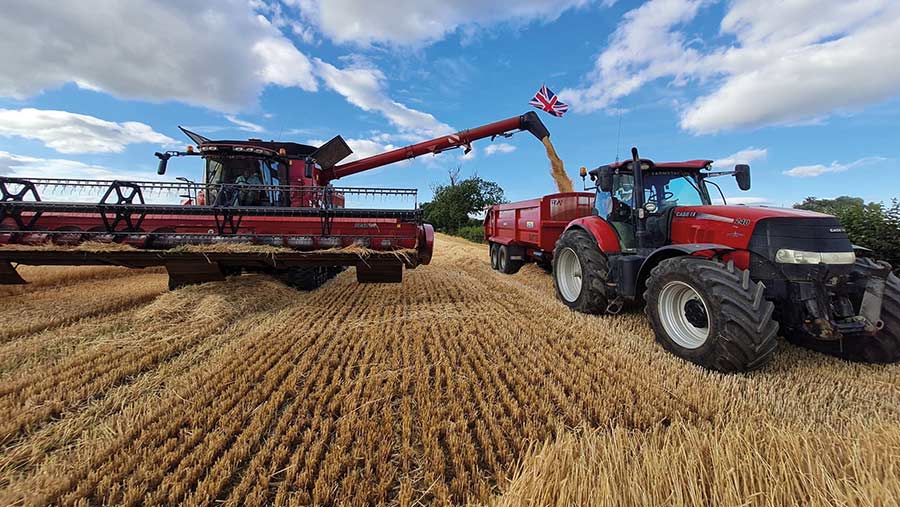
(504, 263)
(882, 347)
(495, 263)
(580, 271)
(711, 314)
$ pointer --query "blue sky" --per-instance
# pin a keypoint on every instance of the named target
(807, 92)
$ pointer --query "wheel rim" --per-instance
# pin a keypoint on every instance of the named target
(684, 315)
(501, 258)
(494, 257)
(568, 275)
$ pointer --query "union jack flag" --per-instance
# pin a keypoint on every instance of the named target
(547, 101)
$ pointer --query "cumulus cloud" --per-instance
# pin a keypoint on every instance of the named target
(15, 165)
(744, 156)
(68, 132)
(790, 62)
(494, 148)
(364, 87)
(809, 171)
(415, 22)
(219, 55)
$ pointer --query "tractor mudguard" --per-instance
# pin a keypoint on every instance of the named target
(669, 251)
(600, 230)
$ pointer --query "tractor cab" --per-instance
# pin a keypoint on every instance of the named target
(644, 201)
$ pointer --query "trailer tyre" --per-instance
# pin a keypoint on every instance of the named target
(495, 263)
(882, 347)
(580, 271)
(711, 314)
(504, 263)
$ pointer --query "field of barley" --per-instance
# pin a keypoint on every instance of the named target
(459, 386)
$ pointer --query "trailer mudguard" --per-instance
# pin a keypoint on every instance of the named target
(599, 229)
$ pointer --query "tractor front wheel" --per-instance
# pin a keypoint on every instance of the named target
(711, 314)
(580, 271)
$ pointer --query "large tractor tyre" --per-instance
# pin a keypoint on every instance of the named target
(306, 278)
(495, 254)
(711, 314)
(504, 263)
(580, 271)
(882, 347)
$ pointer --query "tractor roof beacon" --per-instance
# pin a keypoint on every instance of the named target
(719, 282)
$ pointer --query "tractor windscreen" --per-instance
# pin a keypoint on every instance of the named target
(673, 188)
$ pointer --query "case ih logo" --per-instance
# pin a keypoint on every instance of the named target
(836, 229)
(685, 213)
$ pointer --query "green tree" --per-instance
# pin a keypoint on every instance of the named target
(454, 203)
(873, 225)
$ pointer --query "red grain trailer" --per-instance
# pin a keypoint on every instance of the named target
(526, 231)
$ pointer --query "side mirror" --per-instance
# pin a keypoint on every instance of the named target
(742, 175)
(604, 179)
(163, 162)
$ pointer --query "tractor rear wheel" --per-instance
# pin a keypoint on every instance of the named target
(580, 271)
(495, 263)
(504, 263)
(882, 347)
(711, 314)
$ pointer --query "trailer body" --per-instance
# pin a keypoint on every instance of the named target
(529, 229)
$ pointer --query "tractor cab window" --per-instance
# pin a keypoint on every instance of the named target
(617, 207)
(669, 189)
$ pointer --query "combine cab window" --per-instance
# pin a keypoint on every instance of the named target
(225, 177)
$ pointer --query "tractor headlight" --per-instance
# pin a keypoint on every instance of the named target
(787, 256)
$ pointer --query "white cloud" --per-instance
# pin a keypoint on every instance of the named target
(68, 132)
(219, 55)
(414, 22)
(245, 125)
(744, 156)
(492, 149)
(643, 48)
(809, 171)
(790, 63)
(15, 165)
(363, 86)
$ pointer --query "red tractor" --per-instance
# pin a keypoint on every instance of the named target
(719, 282)
(254, 194)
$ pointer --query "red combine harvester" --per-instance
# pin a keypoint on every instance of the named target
(718, 281)
(276, 194)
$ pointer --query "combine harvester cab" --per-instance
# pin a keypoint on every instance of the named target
(719, 282)
(262, 206)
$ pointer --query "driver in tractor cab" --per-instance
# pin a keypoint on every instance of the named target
(248, 183)
(616, 207)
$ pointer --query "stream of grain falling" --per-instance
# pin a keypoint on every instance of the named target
(557, 168)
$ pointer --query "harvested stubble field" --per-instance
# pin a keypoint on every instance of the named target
(461, 385)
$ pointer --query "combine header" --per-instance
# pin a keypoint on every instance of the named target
(262, 206)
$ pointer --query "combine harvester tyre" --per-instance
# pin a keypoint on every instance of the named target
(711, 314)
